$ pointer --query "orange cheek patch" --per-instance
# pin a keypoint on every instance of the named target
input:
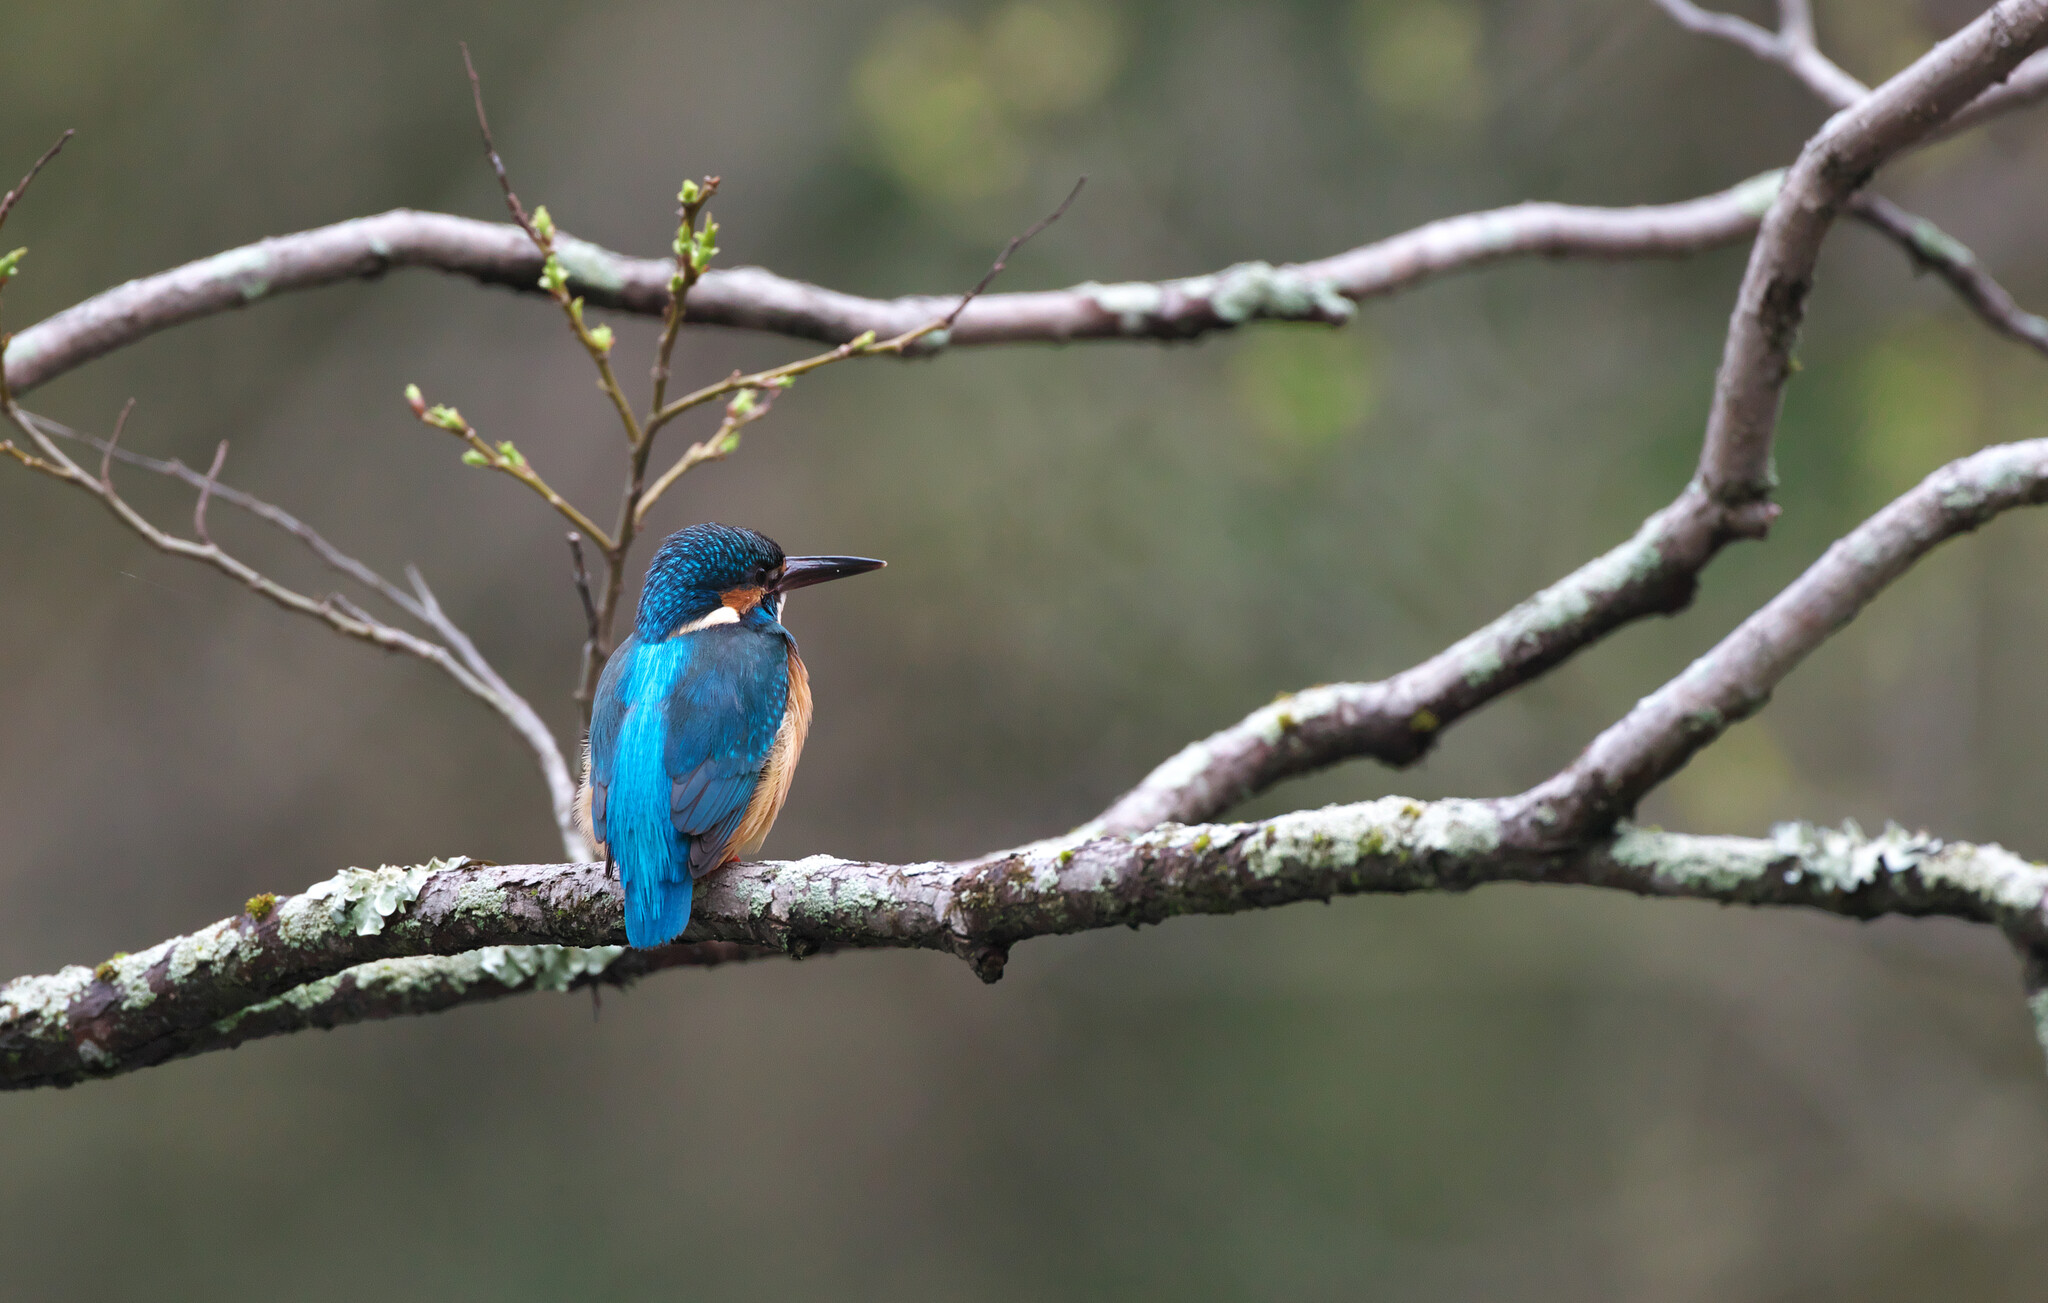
(742, 600)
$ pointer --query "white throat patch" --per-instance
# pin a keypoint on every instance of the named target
(718, 615)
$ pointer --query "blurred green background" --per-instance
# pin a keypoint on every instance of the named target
(1096, 554)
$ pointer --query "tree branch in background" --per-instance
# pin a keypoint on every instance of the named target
(1791, 47)
(750, 298)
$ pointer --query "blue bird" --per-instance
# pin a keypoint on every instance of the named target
(699, 718)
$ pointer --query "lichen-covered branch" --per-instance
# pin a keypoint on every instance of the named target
(342, 950)
(499, 253)
(1735, 461)
(1734, 680)
(427, 984)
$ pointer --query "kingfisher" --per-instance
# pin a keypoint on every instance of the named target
(699, 718)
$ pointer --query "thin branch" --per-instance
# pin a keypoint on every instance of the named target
(329, 554)
(525, 721)
(747, 406)
(581, 575)
(1933, 249)
(459, 658)
(220, 457)
(21, 188)
(113, 442)
(1791, 47)
(1003, 259)
(483, 123)
(692, 258)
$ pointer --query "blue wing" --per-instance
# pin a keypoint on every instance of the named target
(679, 735)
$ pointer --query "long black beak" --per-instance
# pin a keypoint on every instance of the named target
(803, 571)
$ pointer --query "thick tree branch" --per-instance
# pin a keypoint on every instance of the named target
(302, 961)
(750, 298)
(1735, 462)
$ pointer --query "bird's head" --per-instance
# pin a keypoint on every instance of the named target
(719, 574)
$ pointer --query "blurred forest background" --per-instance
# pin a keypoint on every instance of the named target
(1097, 553)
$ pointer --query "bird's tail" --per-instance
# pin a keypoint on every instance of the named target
(657, 908)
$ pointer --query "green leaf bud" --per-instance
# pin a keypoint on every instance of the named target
(475, 458)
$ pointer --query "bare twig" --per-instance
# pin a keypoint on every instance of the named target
(581, 575)
(329, 554)
(1933, 249)
(21, 188)
(1003, 259)
(114, 441)
(458, 658)
(483, 123)
(220, 457)
(1791, 47)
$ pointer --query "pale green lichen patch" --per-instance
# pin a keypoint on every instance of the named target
(1252, 290)
(1481, 664)
(1688, 863)
(1938, 245)
(2037, 1004)
(1844, 859)
(43, 998)
(588, 265)
(1341, 836)
(1756, 195)
(359, 900)
(548, 968)
(247, 269)
(1990, 872)
(206, 948)
(1130, 303)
